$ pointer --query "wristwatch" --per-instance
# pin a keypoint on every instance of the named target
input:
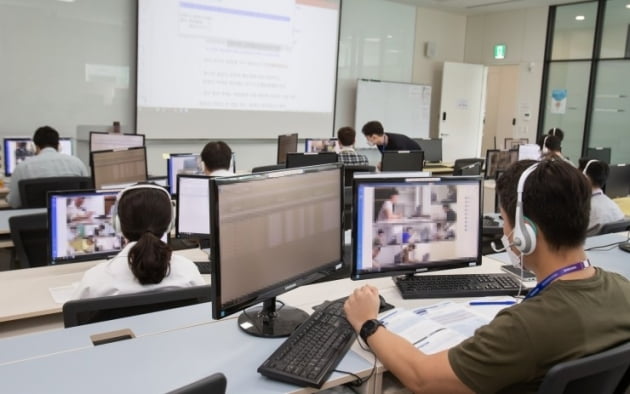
(368, 328)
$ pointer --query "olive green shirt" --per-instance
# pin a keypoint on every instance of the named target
(569, 319)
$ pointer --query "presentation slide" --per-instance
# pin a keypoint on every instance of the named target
(245, 68)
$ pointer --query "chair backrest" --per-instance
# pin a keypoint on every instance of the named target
(470, 166)
(33, 192)
(603, 372)
(29, 234)
(213, 384)
(92, 310)
(615, 227)
(349, 170)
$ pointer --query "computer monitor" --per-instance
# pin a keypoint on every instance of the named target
(116, 169)
(499, 160)
(618, 182)
(313, 145)
(310, 159)
(402, 160)
(193, 207)
(286, 144)
(18, 149)
(273, 232)
(80, 226)
(432, 149)
(403, 224)
(101, 140)
(599, 153)
(182, 163)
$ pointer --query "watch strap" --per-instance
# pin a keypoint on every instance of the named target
(368, 328)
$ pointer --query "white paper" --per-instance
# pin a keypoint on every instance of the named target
(62, 294)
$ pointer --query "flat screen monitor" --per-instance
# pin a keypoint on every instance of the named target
(273, 232)
(618, 182)
(403, 224)
(402, 160)
(80, 226)
(313, 145)
(286, 144)
(18, 149)
(193, 206)
(601, 154)
(182, 163)
(116, 169)
(499, 160)
(432, 149)
(310, 159)
(101, 140)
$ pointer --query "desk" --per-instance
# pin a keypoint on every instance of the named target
(624, 204)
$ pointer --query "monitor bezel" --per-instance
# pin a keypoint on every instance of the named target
(27, 139)
(410, 178)
(178, 233)
(169, 170)
(592, 153)
(278, 144)
(219, 310)
(488, 152)
(292, 156)
(390, 154)
(117, 134)
(146, 165)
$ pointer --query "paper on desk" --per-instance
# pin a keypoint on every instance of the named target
(62, 294)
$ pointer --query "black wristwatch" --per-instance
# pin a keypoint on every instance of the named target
(368, 328)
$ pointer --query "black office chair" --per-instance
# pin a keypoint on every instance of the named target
(470, 166)
(349, 170)
(92, 310)
(615, 227)
(33, 192)
(271, 167)
(29, 234)
(213, 384)
(604, 372)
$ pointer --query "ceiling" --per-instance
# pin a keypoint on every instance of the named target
(472, 7)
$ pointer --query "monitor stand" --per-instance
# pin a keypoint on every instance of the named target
(267, 321)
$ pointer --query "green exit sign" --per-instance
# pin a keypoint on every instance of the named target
(499, 51)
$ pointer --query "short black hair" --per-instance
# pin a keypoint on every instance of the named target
(552, 143)
(346, 136)
(216, 155)
(373, 127)
(597, 171)
(46, 137)
(556, 132)
(556, 197)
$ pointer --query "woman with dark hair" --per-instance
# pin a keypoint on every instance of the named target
(143, 213)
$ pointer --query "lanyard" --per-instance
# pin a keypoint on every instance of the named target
(556, 274)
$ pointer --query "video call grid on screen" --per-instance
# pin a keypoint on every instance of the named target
(117, 169)
(184, 164)
(16, 150)
(274, 231)
(81, 226)
(437, 224)
(317, 145)
(193, 206)
(499, 161)
(100, 140)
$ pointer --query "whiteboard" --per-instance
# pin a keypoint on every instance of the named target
(403, 108)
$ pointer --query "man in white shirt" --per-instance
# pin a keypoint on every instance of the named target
(47, 162)
(603, 209)
(216, 157)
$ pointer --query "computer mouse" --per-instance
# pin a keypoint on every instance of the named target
(625, 246)
(384, 305)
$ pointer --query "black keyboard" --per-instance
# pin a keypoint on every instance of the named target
(314, 349)
(448, 286)
(204, 267)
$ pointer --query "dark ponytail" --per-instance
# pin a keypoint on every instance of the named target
(150, 259)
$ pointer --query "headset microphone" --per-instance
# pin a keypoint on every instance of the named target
(498, 250)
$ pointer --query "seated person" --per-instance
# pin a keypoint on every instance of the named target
(217, 157)
(47, 162)
(346, 137)
(551, 149)
(75, 210)
(603, 209)
(553, 324)
(556, 132)
(387, 209)
(145, 263)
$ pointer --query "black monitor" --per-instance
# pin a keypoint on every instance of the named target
(273, 232)
(18, 149)
(471, 166)
(80, 226)
(310, 159)
(432, 149)
(182, 163)
(287, 143)
(116, 169)
(316, 145)
(402, 160)
(102, 140)
(403, 224)
(499, 160)
(618, 182)
(193, 208)
(599, 154)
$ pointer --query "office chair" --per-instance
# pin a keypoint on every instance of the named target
(33, 192)
(92, 310)
(271, 167)
(470, 166)
(615, 227)
(213, 384)
(603, 372)
(29, 234)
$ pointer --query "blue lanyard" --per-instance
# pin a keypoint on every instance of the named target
(556, 274)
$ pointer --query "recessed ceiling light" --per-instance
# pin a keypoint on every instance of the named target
(627, 5)
(579, 18)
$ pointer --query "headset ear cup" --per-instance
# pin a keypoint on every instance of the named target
(528, 236)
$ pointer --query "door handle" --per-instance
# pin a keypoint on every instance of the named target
(443, 115)
(513, 121)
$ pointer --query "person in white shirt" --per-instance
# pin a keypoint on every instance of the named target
(47, 162)
(143, 213)
(603, 209)
(217, 157)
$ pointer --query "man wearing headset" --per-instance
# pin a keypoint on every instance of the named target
(603, 209)
(575, 310)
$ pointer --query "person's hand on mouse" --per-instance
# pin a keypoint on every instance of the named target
(362, 305)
